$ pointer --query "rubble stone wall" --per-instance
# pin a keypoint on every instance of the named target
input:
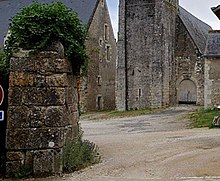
(42, 112)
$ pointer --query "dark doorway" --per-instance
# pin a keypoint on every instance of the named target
(99, 102)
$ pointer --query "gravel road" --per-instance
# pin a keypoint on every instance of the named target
(158, 146)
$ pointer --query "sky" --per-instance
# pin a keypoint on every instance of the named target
(199, 8)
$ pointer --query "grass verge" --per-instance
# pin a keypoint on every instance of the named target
(203, 118)
(120, 114)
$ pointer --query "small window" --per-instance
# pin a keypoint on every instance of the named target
(99, 80)
(100, 42)
(106, 32)
(99, 103)
(102, 3)
(139, 92)
(108, 53)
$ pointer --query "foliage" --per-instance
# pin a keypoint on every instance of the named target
(3, 62)
(36, 27)
(203, 117)
(79, 154)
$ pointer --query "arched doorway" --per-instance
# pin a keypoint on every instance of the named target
(187, 92)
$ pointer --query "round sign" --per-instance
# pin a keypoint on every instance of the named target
(1, 95)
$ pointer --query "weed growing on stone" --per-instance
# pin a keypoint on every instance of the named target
(203, 118)
(79, 154)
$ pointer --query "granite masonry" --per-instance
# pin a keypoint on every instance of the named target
(42, 112)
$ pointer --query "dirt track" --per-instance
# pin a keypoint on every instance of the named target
(153, 147)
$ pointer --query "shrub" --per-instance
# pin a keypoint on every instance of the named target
(79, 154)
(39, 25)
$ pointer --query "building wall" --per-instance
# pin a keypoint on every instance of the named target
(98, 88)
(146, 53)
(189, 63)
(212, 82)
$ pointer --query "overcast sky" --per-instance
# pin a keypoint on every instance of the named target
(199, 8)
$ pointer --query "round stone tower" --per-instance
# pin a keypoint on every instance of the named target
(146, 42)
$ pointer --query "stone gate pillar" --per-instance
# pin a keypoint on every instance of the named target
(42, 112)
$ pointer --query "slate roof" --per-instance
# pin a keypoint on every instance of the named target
(197, 29)
(216, 10)
(9, 8)
(213, 44)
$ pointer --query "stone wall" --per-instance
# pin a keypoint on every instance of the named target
(145, 46)
(42, 112)
(212, 82)
(189, 63)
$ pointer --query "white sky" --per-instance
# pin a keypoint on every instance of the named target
(199, 8)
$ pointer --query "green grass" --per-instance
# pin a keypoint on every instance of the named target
(203, 118)
(121, 114)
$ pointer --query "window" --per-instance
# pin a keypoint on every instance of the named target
(102, 3)
(100, 42)
(99, 80)
(139, 92)
(99, 103)
(108, 53)
(106, 32)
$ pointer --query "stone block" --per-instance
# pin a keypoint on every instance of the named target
(57, 80)
(44, 96)
(18, 117)
(12, 168)
(40, 81)
(56, 116)
(62, 65)
(58, 160)
(29, 159)
(48, 66)
(43, 164)
(15, 96)
(15, 156)
(21, 79)
(71, 96)
(37, 116)
(16, 139)
(74, 117)
(30, 139)
(22, 64)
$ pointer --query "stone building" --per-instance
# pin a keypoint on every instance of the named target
(160, 59)
(212, 67)
(98, 88)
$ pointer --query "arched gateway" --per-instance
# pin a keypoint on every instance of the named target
(187, 92)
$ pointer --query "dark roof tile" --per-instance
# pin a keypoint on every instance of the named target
(197, 29)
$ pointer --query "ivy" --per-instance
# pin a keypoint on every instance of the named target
(39, 25)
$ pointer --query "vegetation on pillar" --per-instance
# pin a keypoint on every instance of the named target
(36, 27)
